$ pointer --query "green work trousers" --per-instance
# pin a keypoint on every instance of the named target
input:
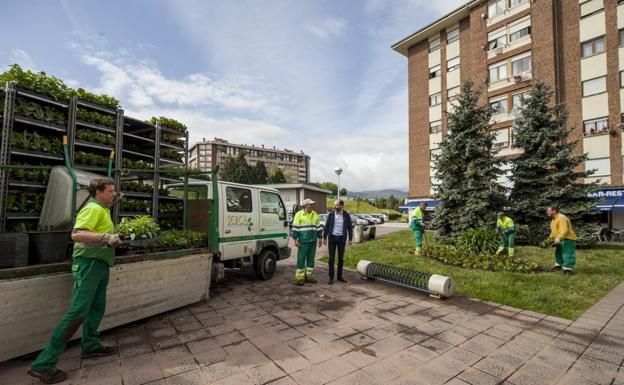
(305, 261)
(507, 240)
(565, 254)
(418, 236)
(87, 309)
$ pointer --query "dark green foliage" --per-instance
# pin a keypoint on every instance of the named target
(136, 187)
(236, 170)
(477, 241)
(136, 164)
(88, 159)
(467, 170)
(171, 154)
(168, 122)
(277, 176)
(130, 205)
(45, 113)
(546, 173)
(259, 173)
(102, 100)
(33, 141)
(95, 117)
(24, 201)
(34, 175)
(479, 261)
(95, 137)
(170, 207)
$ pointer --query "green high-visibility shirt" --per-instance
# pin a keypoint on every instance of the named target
(307, 227)
(95, 218)
(505, 223)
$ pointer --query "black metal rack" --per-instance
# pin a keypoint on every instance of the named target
(90, 144)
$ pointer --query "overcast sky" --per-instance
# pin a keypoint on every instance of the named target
(317, 76)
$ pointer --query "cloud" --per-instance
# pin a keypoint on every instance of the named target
(328, 28)
(22, 58)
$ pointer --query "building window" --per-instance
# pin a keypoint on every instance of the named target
(453, 64)
(434, 72)
(595, 86)
(452, 35)
(591, 7)
(517, 102)
(601, 167)
(497, 73)
(497, 42)
(521, 66)
(593, 47)
(499, 105)
(496, 8)
(515, 3)
(621, 79)
(452, 93)
(502, 138)
(519, 34)
(595, 126)
(621, 36)
(436, 99)
(435, 127)
(434, 44)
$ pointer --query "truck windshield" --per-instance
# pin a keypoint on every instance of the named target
(194, 192)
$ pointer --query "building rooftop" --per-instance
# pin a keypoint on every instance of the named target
(251, 147)
(448, 20)
(297, 185)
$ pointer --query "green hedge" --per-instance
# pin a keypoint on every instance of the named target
(450, 255)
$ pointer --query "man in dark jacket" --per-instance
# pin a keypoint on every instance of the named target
(337, 229)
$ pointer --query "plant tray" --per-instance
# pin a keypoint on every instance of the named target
(13, 249)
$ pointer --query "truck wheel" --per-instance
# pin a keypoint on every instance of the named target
(265, 265)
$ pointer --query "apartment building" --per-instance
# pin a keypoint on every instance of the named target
(502, 46)
(207, 154)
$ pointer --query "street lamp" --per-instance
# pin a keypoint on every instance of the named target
(338, 171)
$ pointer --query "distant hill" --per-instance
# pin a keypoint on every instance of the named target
(379, 194)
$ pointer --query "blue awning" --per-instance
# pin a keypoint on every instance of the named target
(610, 199)
(412, 204)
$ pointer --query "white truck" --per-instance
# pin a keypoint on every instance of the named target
(247, 225)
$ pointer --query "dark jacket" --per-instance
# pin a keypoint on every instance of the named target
(346, 228)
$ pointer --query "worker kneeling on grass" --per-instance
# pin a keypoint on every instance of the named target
(94, 254)
(307, 232)
(417, 225)
(507, 232)
(564, 239)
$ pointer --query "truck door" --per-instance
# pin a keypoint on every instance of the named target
(273, 220)
(239, 227)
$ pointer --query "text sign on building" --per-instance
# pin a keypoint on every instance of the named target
(617, 193)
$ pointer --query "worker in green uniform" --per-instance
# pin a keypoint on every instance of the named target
(507, 232)
(564, 240)
(93, 255)
(417, 225)
(307, 232)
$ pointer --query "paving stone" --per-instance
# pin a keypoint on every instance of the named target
(140, 369)
(175, 361)
(229, 338)
(264, 373)
(327, 351)
(476, 377)
(390, 345)
(109, 372)
(391, 367)
(210, 357)
(193, 377)
(324, 372)
(421, 353)
(495, 367)
(238, 379)
(302, 343)
(464, 356)
(193, 335)
(283, 381)
(357, 378)
(202, 345)
(436, 345)
(220, 370)
(246, 355)
(360, 339)
(286, 358)
(360, 358)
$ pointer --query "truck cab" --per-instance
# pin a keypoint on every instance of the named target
(247, 225)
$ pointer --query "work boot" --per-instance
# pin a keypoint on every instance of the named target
(102, 351)
(567, 272)
(311, 280)
(511, 252)
(417, 251)
(500, 250)
(556, 268)
(53, 376)
(299, 283)
(342, 280)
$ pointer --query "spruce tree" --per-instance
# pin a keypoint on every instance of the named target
(259, 173)
(467, 170)
(277, 176)
(547, 173)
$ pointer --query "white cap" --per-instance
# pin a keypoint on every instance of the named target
(307, 201)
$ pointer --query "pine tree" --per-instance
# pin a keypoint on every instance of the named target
(259, 173)
(277, 176)
(467, 170)
(547, 172)
(236, 170)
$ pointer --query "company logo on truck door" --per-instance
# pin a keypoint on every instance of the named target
(240, 220)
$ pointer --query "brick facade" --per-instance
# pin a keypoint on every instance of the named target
(555, 58)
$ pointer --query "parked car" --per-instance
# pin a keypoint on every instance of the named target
(380, 217)
(372, 217)
(355, 220)
(323, 219)
(363, 218)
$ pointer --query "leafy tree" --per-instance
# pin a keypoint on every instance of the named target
(343, 192)
(277, 176)
(547, 173)
(236, 170)
(467, 169)
(333, 187)
(393, 202)
(259, 173)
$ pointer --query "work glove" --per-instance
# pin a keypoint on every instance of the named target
(557, 240)
(113, 240)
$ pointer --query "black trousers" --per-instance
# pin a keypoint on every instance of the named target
(336, 242)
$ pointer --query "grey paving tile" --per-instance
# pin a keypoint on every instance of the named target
(264, 373)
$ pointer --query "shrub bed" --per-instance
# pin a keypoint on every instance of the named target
(453, 256)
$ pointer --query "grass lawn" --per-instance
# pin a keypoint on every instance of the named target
(599, 270)
(363, 208)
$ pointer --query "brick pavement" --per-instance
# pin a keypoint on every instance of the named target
(363, 332)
